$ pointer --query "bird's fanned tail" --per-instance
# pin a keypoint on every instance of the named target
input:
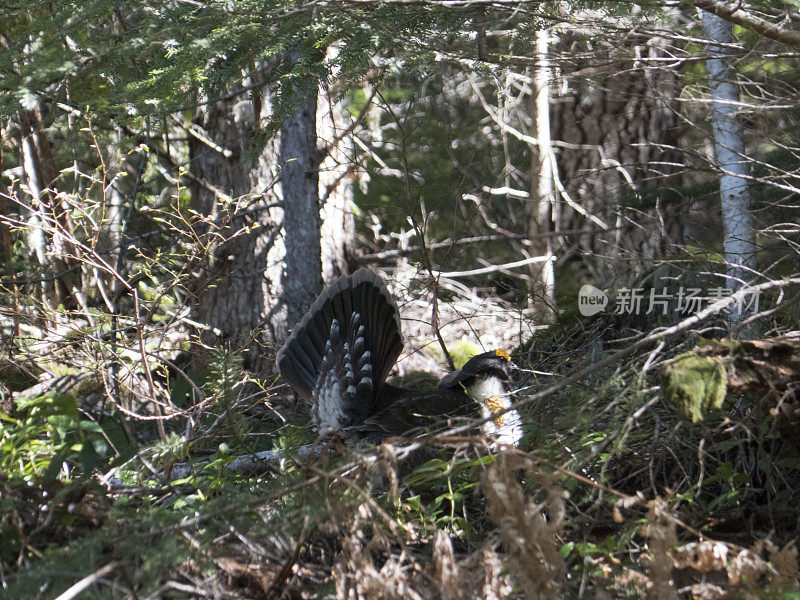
(341, 352)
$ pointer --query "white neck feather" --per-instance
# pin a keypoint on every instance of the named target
(506, 429)
(485, 387)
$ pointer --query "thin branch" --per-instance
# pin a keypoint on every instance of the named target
(495, 268)
(449, 243)
(739, 14)
(84, 583)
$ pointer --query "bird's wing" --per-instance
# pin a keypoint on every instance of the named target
(415, 410)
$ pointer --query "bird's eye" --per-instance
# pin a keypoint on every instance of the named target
(502, 354)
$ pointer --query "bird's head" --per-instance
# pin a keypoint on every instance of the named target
(488, 378)
(482, 376)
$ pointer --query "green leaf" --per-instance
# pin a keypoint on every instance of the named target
(452, 497)
(88, 459)
(55, 464)
(566, 549)
(91, 427)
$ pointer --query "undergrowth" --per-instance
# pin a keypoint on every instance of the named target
(611, 495)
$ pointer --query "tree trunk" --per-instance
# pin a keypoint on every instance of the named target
(621, 124)
(231, 296)
(540, 213)
(737, 220)
(5, 235)
(115, 199)
(50, 234)
(243, 294)
(337, 180)
(302, 223)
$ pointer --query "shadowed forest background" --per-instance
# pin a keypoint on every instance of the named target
(179, 180)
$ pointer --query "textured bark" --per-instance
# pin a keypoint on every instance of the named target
(622, 127)
(232, 293)
(301, 210)
(5, 235)
(239, 292)
(318, 222)
(540, 214)
(115, 198)
(50, 232)
(337, 180)
(737, 220)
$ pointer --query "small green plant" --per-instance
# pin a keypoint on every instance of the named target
(225, 373)
(460, 351)
(440, 493)
(52, 439)
(731, 485)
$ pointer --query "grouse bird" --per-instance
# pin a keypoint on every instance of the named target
(339, 355)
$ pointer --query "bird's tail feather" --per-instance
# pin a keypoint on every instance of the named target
(341, 352)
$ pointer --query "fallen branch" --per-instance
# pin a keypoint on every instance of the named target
(249, 464)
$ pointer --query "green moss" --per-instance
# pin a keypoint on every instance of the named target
(460, 351)
(416, 380)
(731, 345)
(695, 385)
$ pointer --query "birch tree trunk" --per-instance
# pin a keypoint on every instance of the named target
(737, 220)
(540, 210)
(50, 235)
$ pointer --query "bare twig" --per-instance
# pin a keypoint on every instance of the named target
(74, 590)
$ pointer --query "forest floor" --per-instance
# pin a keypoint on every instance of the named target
(613, 492)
